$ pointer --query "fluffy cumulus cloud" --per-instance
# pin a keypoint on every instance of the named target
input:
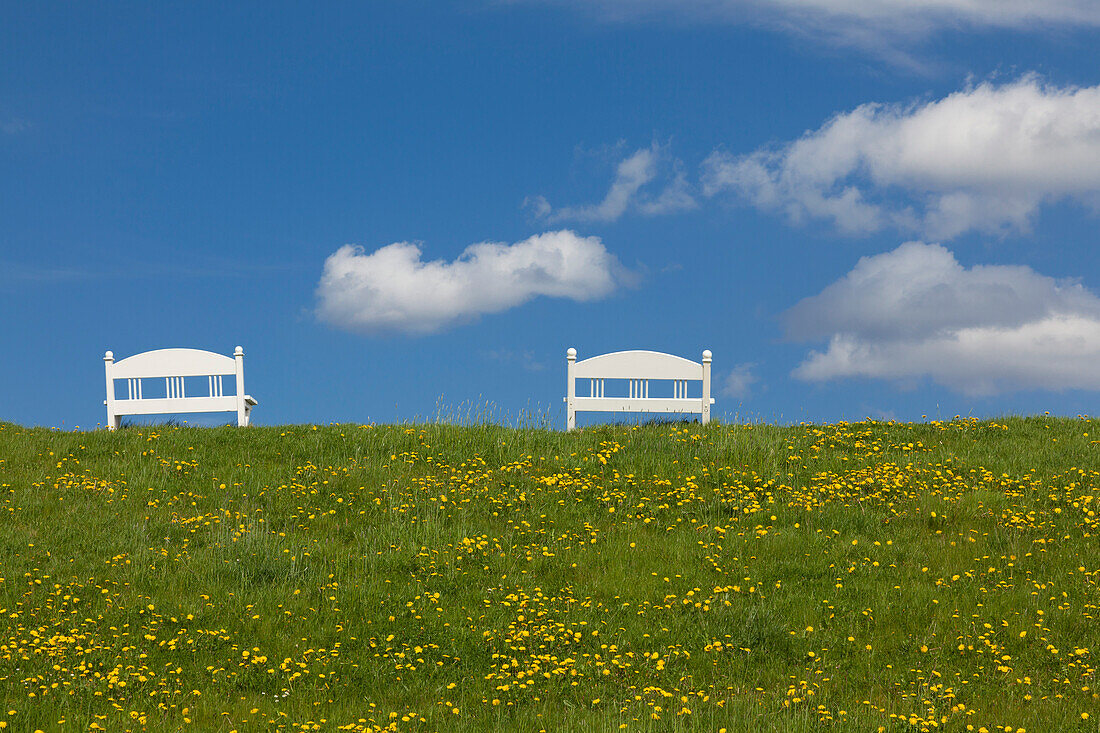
(629, 191)
(916, 312)
(985, 158)
(393, 290)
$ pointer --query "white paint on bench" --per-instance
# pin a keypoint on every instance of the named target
(173, 365)
(638, 367)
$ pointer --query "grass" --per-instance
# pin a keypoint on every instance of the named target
(866, 576)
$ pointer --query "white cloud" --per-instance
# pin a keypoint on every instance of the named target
(985, 158)
(392, 290)
(632, 175)
(14, 126)
(916, 312)
(871, 23)
(738, 383)
(525, 359)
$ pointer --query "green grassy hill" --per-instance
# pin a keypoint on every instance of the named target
(868, 576)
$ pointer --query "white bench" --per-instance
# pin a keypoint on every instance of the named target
(638, 367)
(174, 365)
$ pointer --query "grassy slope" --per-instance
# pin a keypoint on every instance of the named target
(462, 578)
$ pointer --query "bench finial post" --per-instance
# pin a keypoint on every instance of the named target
(242, 411)
(113, 420)
(570, 390)
(706, 387)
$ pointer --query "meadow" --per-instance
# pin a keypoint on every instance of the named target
(666, 577)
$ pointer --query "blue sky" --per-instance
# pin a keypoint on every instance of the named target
(862, 208)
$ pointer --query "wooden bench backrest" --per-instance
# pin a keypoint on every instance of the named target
(174, 365)
(638, 367)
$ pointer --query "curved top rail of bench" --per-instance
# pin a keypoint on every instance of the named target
(174, 363)
(638, 365)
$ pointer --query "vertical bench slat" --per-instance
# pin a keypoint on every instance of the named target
(173, 387)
